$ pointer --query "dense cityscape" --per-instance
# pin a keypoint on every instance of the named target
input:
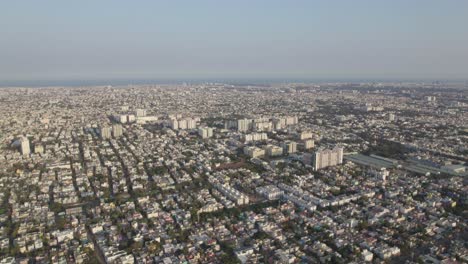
(235, 173)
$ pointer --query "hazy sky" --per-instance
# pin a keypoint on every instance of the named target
(233, 39)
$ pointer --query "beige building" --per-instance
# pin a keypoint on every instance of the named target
(205, 132)
(117, 131)
(326, 158)
(308, 144)
(289, 147)
(273, 151)
(254, 152)
(305, 135)
(25, 146)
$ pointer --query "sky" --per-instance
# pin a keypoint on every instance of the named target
(120, 39)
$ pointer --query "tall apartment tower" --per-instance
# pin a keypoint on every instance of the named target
(122, 119)
(174, 124)
(131, 118)
(289, 147)
(117, 131)
(291, 120)
(183, 124)
(25, 147)
(326, 158)
(309, 143)
(140, 112)
(191, 123)
(205, 132)
(305, 135)
(105, 132)
(243, 125)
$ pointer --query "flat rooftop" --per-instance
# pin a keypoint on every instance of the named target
(373, 161)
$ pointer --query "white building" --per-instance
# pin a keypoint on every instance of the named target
(38, 148)
(205, 132)
(254, 152)
(25, 146)
(191, 123)
(122, 119)
(140, 112)
(131, 118)
(270, 192)
(117, 131)
(183, 124)
(305, 135)
(289, 147)
(255, 137)
(308, 144)
(325, 158)
(105, 132)
(243, 125)
(174, 124)
(273, 151)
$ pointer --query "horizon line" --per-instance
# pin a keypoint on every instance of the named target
(226, 80)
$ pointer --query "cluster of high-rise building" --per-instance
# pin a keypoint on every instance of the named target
(140, 112)
(75, 189)
(123, 119)
(273, 151)
(255, 137)
(181, 124)
(289, 147)
(241, 125)
(139, 116)
(324, 158)
(261, 124)
(205, 132)
(106, 132)
(254, 152)
(370, 108)
(303, 135)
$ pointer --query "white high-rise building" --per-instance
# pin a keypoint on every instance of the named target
(183, 124)
(191, 123)
(174, 124)
(262, 125)
(243, 124)
(131, 118)
(205, 132)
(140, 112)
(328, 157)
(273, 151)
(117, 131)
(308, 144)
(289, 147)
(254, 152)
(122, 119)
(38, 148)
(230, 124)
(305, 135)
(291, 120)
(105, 132)
(255, 137)
(24, 146)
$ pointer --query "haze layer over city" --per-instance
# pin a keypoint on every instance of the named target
(233, 131)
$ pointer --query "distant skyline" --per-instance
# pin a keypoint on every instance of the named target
(168, 40)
